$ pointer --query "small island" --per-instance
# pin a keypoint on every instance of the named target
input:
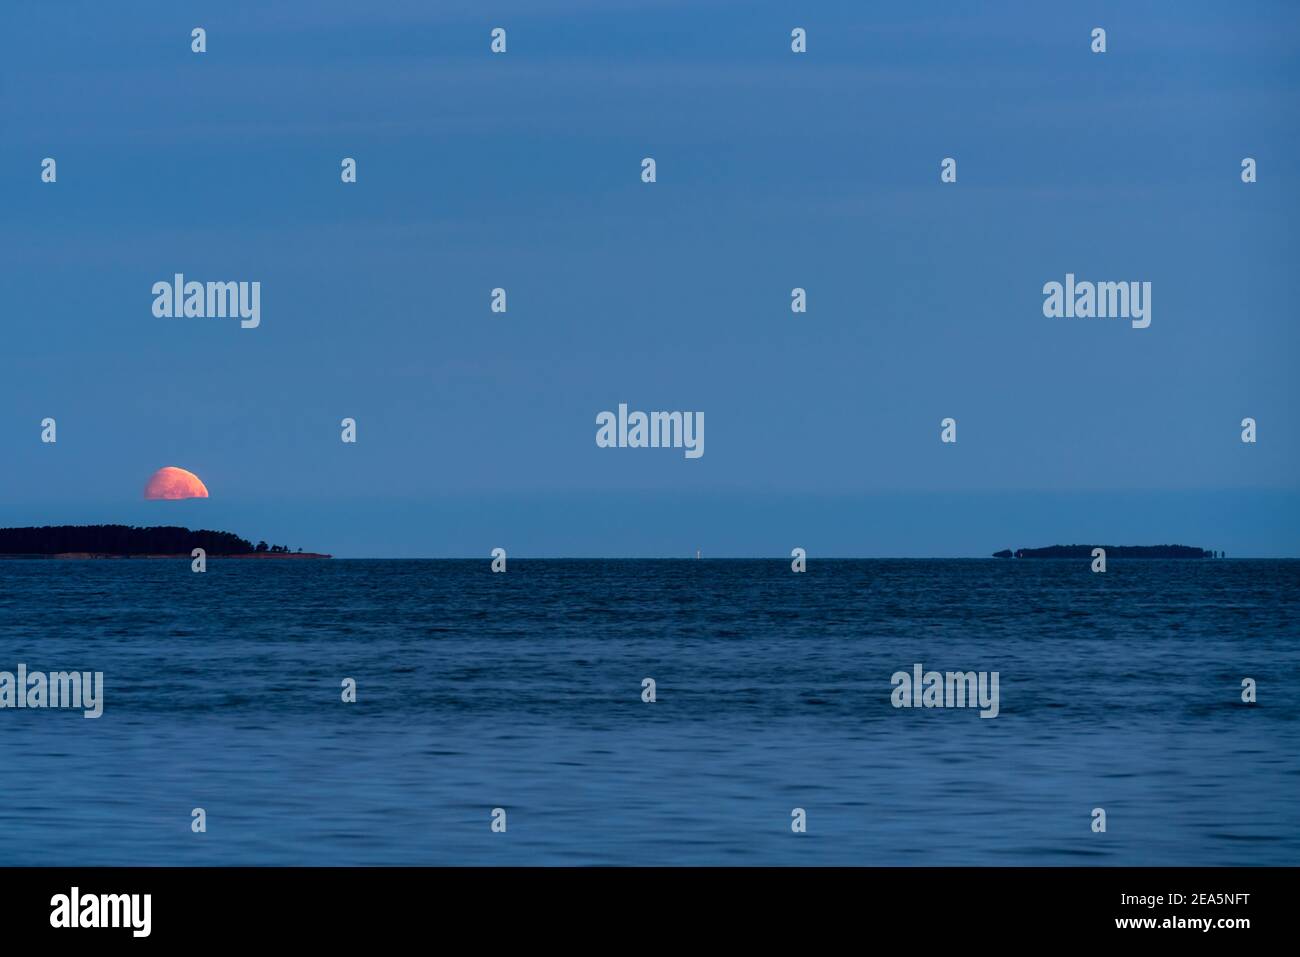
(129, 541)
(1112, 551)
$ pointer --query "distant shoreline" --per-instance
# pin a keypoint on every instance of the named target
(1113, 551)
(539, 559)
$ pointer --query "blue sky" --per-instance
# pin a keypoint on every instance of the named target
(774, 171)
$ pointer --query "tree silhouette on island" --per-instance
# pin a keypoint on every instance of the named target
(127, 541)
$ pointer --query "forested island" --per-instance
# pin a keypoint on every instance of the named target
(129, 541)
(1112, 551)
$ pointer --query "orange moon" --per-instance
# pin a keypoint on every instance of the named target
(173, 483)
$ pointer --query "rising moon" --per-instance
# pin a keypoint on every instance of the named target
(173, 483)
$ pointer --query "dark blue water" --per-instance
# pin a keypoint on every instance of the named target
(523, 691)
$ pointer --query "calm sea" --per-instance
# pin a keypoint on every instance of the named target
(523, 691)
